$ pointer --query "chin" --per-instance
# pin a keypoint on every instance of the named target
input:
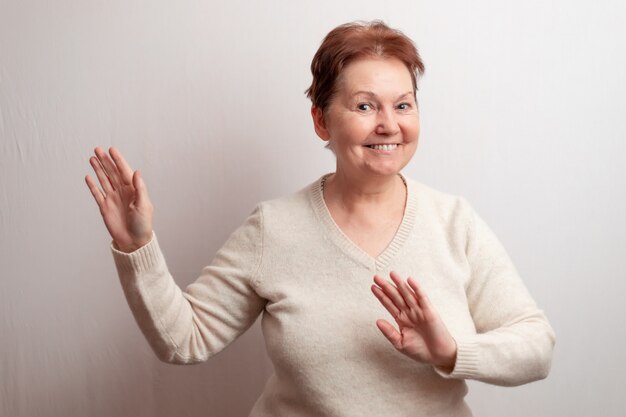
(385, 171)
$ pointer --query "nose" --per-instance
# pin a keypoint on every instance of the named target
(386, 122)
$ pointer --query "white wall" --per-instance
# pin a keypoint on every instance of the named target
(523, 112)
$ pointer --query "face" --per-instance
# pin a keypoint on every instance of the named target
(372, 123)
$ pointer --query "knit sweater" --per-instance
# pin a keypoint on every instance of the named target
(291, 263)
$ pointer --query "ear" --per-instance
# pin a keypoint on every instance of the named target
(319, 123)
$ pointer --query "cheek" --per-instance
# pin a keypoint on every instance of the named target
(414, 126)
(413, 129)
(353, 132)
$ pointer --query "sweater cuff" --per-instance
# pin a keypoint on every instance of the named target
(466, 361)
(147, 258)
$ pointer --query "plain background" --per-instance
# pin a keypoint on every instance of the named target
(523, 113)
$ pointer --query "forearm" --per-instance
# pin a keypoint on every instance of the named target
(157, 303)
(514, 354)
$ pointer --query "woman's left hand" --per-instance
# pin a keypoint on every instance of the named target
(422, 335)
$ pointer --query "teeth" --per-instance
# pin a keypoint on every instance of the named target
(389, 147)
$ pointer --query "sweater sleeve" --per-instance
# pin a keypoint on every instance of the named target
(189, 326)
(513, 342)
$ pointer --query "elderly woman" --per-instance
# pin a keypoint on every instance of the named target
(306, 263)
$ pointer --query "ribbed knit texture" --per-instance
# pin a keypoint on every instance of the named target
(291, 263)
(344, 243)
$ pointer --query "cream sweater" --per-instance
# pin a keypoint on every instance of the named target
(291, 263)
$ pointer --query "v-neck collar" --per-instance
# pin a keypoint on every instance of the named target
(352, 249)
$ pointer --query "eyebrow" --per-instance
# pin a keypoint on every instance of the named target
(371, 94)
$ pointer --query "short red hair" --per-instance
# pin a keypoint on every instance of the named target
(354, 40)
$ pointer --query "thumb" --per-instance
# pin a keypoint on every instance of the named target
(140, 187)
(390, 333)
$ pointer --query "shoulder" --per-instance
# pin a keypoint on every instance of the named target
(456, 216)
(446, 208)
(287, 203)
(289, 211)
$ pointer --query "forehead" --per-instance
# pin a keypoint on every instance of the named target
(380, 76)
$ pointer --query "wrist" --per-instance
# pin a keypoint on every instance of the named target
(448, 360)
(132, 246)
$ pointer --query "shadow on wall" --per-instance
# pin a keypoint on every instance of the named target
(226, 385)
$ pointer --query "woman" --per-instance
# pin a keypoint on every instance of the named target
(464, 314)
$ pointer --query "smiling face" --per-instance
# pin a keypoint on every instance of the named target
(372, 122)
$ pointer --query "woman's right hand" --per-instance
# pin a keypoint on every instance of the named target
(123, 200)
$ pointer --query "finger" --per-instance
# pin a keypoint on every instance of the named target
(386, 302)
(126, 174)
(414, 311)
(392, 292)
(405, 291)
(95, 191)
(390, 333)
(109, 167)
(105, 183)
(423, 300)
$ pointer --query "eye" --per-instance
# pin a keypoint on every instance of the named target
(404, 106)
(364, 106)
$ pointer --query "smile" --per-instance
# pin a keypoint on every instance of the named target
(386, 147)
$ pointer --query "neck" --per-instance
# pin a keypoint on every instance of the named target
(355, 193)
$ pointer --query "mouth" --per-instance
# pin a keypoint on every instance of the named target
(383, 147)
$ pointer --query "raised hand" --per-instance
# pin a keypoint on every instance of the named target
(123, 200)
(422, 335)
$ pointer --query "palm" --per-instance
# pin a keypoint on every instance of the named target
(123, 201)
(417, 340)
(421, 335)
(121, 216)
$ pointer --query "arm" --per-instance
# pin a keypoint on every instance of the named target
(191, 325)
(181, 326)
(513, 342)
